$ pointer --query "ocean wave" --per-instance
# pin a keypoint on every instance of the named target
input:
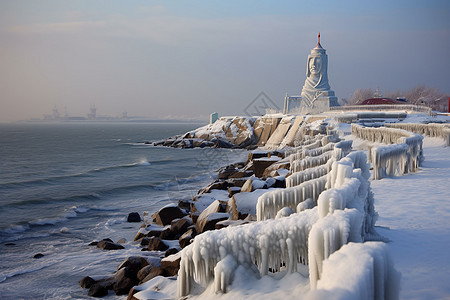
(20, 228)
(47, 200)
(55, 179)
(16, 229)
(8, 274)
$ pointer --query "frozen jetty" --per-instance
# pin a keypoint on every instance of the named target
(299, 214)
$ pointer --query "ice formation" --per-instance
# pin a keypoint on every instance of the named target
(314, 156)
(271, 202)
(284, 212)
(304, 152)
(433, 130)
(311, 161)
(308, 174)
(379, 135)
(358, 271)
(307, 204)
(344, 214)
(260, 246)
(309, 182)
(329, 234)
(402, 155)
(327, 204)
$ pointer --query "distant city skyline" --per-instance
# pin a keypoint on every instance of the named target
(186, 60)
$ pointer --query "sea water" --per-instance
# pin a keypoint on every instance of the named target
(63, 185)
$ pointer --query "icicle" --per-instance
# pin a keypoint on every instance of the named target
(271, 202)
(327, 236)
(309, 162)
(214, 255)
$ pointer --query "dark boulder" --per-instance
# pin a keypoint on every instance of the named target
(155, 271)
(86, 282)
(214, 213)
(39, 255)
(170, 265)
(156, 244)
(209, 221)
(145, 241)
(280, 182)
(184, 204)
(179, 226)
(134, 217)
(225, 173)
(170, 252)
(144, 272)
(167, 234)
(109, 245)
(133, 264)
(123, 282)
(260, 165)
(168, 213)
(97, 290)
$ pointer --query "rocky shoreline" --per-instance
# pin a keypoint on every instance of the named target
(175, 225)
(230, 200)
(269, 131)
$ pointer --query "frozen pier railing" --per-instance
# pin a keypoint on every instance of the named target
(379, 135)
(308, 183)
(358, 271)
(214, 255)
(304, 152)
(271, 202)
(328, 235)
(297, 178)
(344, 214)
(433, 130)
(311, 161)
(402, 155)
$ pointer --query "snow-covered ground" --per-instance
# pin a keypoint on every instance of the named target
(414, 213)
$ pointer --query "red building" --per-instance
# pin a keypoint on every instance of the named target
(379, 101)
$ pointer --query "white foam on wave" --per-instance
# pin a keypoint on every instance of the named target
(11, 273)
(80, 209)
(111, 222)
(47, 221)
(143, 162)
(16, 229)
(64, 230)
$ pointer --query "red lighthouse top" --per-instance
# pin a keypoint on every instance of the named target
(318, 46)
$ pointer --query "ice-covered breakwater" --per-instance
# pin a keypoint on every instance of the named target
(344, 214)
(308, 180)
(402, 155)
(431, 129)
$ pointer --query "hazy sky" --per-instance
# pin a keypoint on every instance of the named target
(189, 58)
